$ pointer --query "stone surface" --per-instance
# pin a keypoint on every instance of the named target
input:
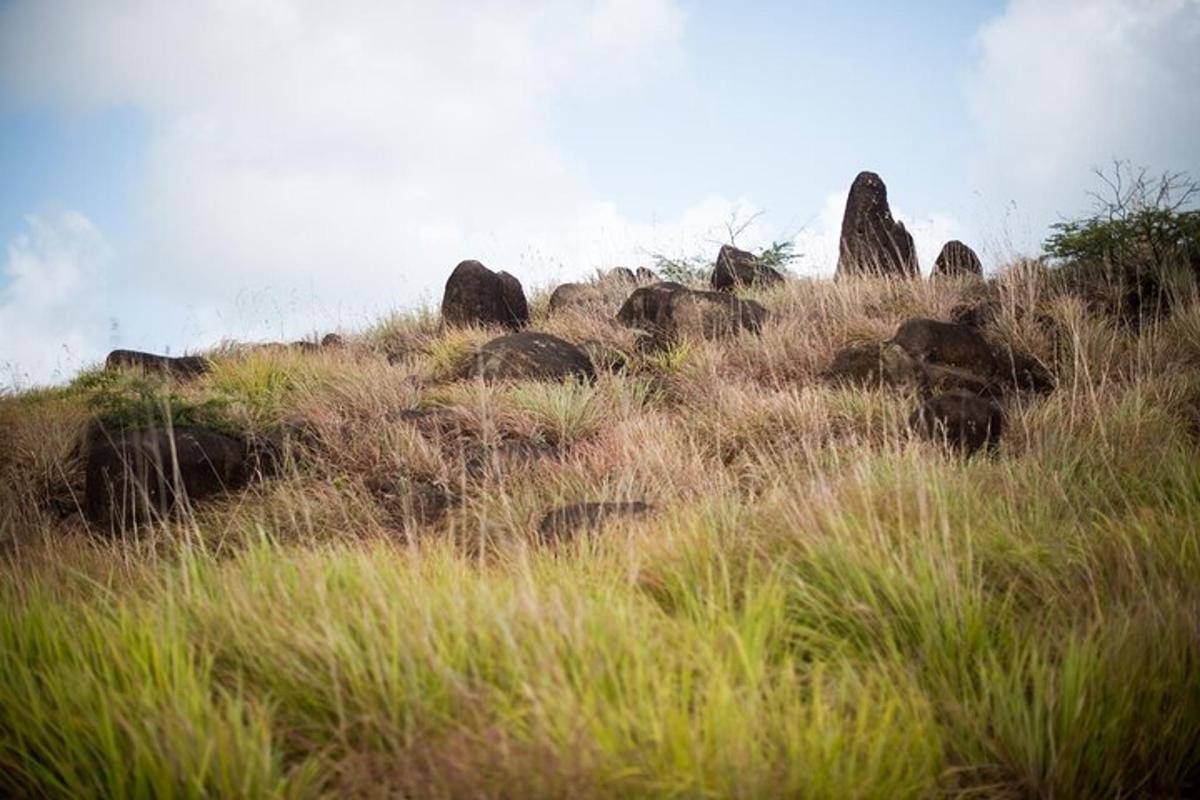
(143, 474)
(621, 275)
(872, 242)
(566, 521)
(873, 365)
(957, 260)
(669, 311)
(647, 275)
(175, 366)
(575, 295)
(530, 356)
(737, 268)
(961, 420)
(475, 295)
(948, 344)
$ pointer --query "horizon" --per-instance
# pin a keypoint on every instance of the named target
(178, 176)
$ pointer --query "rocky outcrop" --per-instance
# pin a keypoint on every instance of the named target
(737, 269)
(181, 367)
(872, 243)
(956, 260)
(566, 521)
(475, 295)
(670, 311)
(961, 420)
(142, 475)
(530, 356)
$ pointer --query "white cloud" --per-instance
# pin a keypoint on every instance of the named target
(1068, 85)
(50, 307)
(346, 154)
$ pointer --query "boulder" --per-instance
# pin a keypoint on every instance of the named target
(872, 243)
(960, 419)
(737, 268)
(175, 366)
(1023, 372)
(565, 521)
(670, 311)
(477, 296)
(530, 356)
(647, 275)
(956, 260)
(406, 501)
(575, 295)
(947, 344)
(138, 475)
(620, 275)
(332, 340)
(872, 366)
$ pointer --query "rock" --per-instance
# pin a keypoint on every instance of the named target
(332, 340)
(647, 275)
(565, 521)
(405, 500)
(621, 275)
(575, 295)
(872, 243)
(175, 366)
(604, 357)
(738, 268)
(872, 366)
(669, 311)
(510, 456)
(143, 474)
(477, 296)
(948, 344)
(956, 259)
(1023, 372)
(961, 420)
(530, 356)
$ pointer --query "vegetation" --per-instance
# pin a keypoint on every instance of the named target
(819, 605)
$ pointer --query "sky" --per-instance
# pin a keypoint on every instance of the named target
(178, 174)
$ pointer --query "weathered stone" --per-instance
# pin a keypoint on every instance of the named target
(477, 296)
(175, 366)
(530, 356)
(1023, 372)
(332, 340)
(955, 260)
(669, 311)
(621, 275)
(960, 419)
(408, 501)
(872, 243)
(647, 275)
(737, 268)
(947, 344)
(141, 474)
(575, 295)
(604, 357)
(566, 521)
(872, 366)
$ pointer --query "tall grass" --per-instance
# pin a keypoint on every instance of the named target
(819, 606)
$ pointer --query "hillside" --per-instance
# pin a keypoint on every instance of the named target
(808, 600)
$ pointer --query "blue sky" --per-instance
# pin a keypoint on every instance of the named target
(175, 174)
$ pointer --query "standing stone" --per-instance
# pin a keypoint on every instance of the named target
(956, 259)
(873, 243)
(477, 296)
(736, 268)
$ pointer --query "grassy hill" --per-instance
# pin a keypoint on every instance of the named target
(818, 605)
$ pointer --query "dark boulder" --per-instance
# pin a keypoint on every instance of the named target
(575, 295)
(873, 365)
(737, 268)
(960, 419)
(872, 243)
(669, 311)
(565, 521)
(477, 296)
(647, 275)
(947, 344)
(143, 474)
(332, 340)
(1023, 372)
(407, 501)
(175, 366)
(957, 259)
(621, 275)
(530, 356)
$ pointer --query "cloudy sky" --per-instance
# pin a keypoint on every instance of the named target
(176, 173)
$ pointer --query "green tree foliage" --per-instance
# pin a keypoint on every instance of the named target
(1139, 222)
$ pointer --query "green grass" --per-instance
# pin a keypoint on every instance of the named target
(818, 607)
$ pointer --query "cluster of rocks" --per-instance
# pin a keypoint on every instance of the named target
(134, 474)
(959, 375)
